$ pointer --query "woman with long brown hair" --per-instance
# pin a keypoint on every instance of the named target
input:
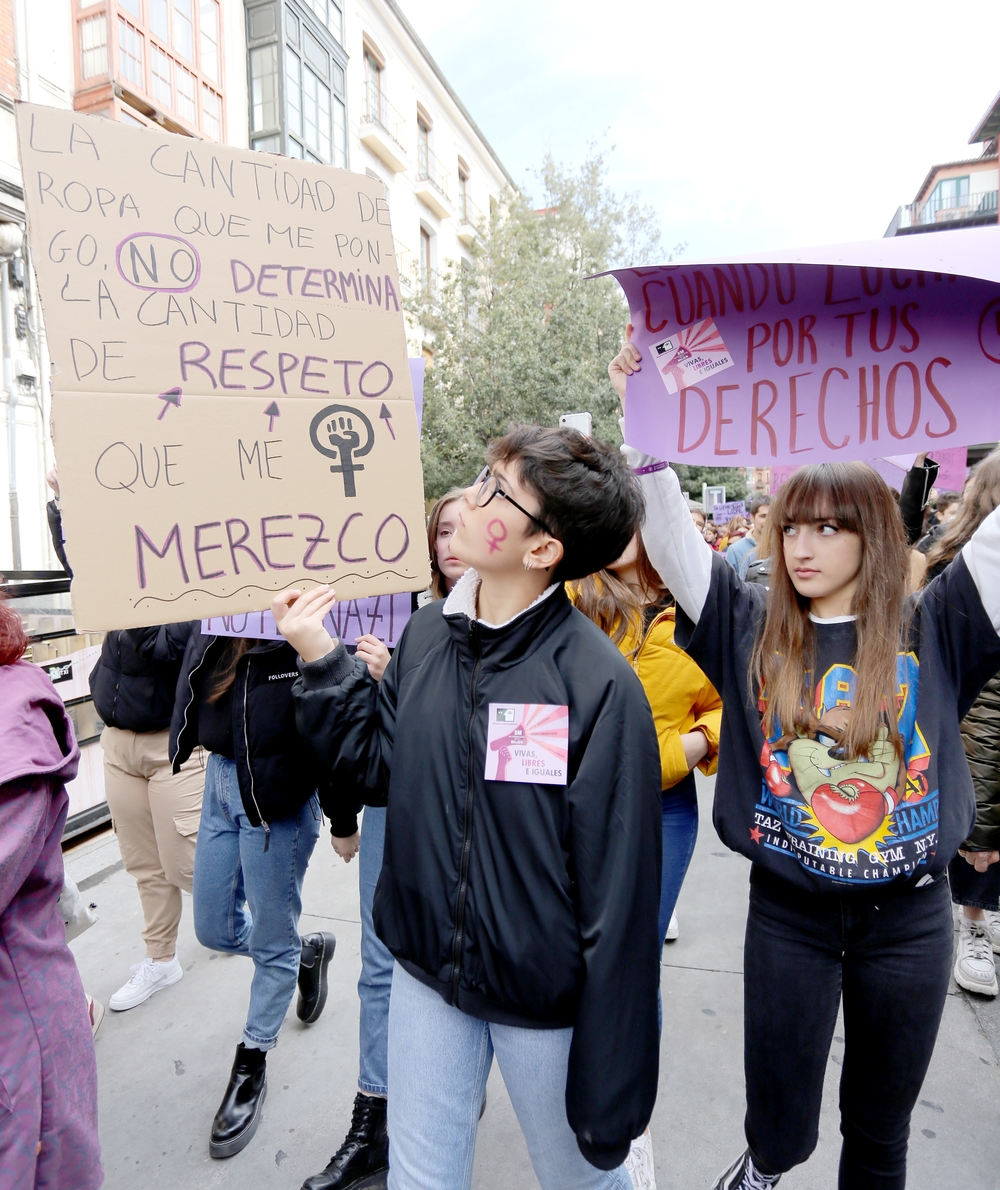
(843, 778)
(260, 819)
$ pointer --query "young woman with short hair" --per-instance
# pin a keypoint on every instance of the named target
(521, 912)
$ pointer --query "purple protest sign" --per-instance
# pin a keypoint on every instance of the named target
(854, 351)
(384, 616)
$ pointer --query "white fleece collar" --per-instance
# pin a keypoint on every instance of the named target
(832, 619)
(464, 595)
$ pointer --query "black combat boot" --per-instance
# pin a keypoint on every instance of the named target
(362, 1161)
(317, 951)
(237, 1119)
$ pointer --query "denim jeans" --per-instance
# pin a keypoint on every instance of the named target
(680, 830)
(375, 983)
(439, 1061)
(888, 952)
(248, 901)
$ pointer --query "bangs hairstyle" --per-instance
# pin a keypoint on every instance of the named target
(854, 497)
(586, 492)
(437, 587)
(615, 607)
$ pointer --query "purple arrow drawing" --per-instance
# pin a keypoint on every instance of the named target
(272, 411)
(387, 416)
(171, 397)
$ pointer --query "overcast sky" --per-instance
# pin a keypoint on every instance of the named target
(746, 124)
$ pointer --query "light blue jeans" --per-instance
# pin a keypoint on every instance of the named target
(375, 983)
(248, 901)
(439, 1061)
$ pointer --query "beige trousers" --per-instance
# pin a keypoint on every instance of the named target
(155, 816)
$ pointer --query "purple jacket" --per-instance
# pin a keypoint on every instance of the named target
(48, 1074)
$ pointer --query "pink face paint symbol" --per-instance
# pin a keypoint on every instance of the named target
(497, 531)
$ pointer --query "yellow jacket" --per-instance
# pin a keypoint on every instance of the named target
(681, 697)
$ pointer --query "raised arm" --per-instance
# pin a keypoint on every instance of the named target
(678, 552)
(982, 556)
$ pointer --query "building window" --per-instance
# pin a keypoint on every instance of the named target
(129, 53)
(264, 88)
(131, 6)
(425, 258)
(329, 12)
(184, 29)
(93, 47)
(187, 104)
(210, 66)
(463, 194)
(298, 80)
(423, 147)
(373, 86)
(211, 107)
(159, 19)
(161, 72)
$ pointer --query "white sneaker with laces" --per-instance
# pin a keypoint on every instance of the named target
(673, 929)
(993, 928)
(743, 1175)
(974, 968)
(148, 977)
(639, 1163)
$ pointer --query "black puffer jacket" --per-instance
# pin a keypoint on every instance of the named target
(981, 737)
(135, 678)
(525, 904)
(277, 772)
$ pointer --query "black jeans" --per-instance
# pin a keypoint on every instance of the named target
(889, 952)
(979, 890)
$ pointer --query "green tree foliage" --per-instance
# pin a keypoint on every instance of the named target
(692, 478)
(522, 335)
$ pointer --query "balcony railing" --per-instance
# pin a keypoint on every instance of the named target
(379, 111)
(429, 169)
(948, 209)
(468, 212)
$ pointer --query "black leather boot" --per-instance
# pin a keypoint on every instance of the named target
(237, 1119)
(317, 951)
(362, 1161)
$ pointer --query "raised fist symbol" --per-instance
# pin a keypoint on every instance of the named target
(343, 436)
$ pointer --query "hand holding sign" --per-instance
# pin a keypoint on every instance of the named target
(300, 620)
(624, 364)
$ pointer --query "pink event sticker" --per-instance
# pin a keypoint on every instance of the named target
(690, 356)
(527, 742)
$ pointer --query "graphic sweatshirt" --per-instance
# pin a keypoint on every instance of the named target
(790, 802)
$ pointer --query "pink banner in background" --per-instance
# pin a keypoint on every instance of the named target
(855, 351)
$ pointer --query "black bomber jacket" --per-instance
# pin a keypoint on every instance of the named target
(526, 904)
(277, 772)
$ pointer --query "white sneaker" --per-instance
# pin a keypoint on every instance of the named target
(639, 1163)
(993, 928)
(673, 929)
(147, 977)
(974, 969)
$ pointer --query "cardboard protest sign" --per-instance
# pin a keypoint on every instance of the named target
(229, 351)
(722, 513)
(854, 351)
(383, 616)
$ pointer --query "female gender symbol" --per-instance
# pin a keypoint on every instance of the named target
(496, 535)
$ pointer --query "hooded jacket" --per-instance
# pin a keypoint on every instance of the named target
(527, 904)
(48, 1075)
(277, 773)
(135, 678)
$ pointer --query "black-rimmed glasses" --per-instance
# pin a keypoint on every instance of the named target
(487, 486)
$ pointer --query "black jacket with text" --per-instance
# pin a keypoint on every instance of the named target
(533, 905)
(277, 773)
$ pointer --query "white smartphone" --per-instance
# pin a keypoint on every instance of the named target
(577, 421)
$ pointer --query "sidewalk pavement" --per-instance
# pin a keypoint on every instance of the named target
(164, 1065)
